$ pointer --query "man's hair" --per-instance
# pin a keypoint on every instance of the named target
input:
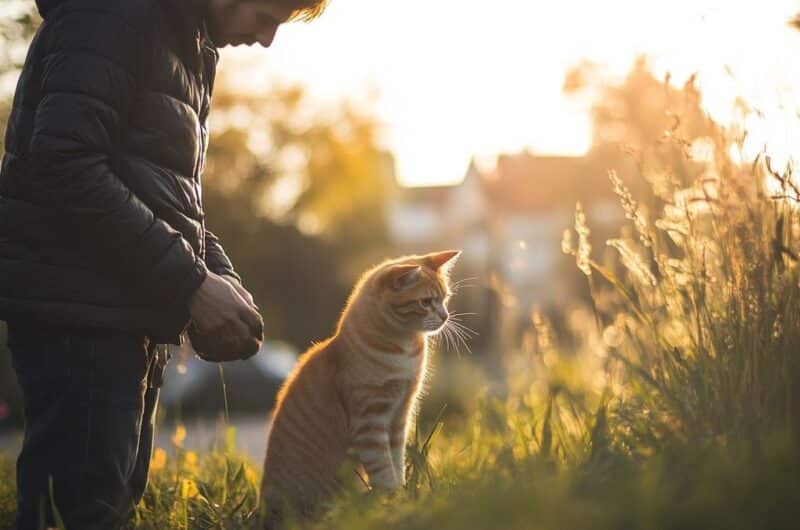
(305, 9)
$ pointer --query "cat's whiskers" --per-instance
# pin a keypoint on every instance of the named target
(453, 332)
(461, 331)
(452, 339)
(463, 339)
(445, 334)
(465, 330)
(458, 339)
(456, 319)
(455, 287)
(459, 315)
(448, 333)
(465, 334)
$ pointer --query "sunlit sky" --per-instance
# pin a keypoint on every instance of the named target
(462, 78)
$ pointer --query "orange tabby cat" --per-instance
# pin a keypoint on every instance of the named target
(358, 389)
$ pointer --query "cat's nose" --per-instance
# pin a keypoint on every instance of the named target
(442, 312)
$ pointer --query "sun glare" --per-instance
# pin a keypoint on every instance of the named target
(459, 79)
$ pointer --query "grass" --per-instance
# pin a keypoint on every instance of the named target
(213, 490)
(7, 492)
(680, 407)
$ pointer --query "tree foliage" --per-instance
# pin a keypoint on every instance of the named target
(18, 22)
(296, 193)
(281, 158)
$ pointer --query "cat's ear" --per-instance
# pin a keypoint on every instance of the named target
(437, 260)
(403, 276)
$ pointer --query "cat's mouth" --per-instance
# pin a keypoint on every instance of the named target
(434, 326)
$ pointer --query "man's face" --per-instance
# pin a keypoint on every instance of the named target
(235, 22)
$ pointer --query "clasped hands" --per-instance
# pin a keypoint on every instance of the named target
(226, 324)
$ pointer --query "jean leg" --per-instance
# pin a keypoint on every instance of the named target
(84, 398)
(44, 376)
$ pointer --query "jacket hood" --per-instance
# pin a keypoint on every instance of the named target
(188, 12)
(45, 6)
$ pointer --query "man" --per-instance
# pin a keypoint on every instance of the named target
(104, 251)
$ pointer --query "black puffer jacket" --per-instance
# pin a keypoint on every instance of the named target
(101, 221)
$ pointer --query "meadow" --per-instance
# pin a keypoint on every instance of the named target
(672, 400)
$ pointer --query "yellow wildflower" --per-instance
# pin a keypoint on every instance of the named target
(190, 461)
(179, 436)
(158, 460)
(188, 488)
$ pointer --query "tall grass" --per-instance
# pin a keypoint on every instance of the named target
(706, 317)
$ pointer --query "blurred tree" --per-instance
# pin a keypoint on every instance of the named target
(297, 197)
(795, 21)
(18, 22)
(651, 120)
(319, 169)
(296, 279)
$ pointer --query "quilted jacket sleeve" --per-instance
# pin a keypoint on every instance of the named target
(88, 80)
(216, 259)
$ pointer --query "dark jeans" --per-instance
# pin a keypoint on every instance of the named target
(89, 411)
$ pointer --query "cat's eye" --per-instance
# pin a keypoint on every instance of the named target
(427, 301)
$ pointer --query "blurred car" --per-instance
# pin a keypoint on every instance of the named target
(195, 387)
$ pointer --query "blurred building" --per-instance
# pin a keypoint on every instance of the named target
(442, 217)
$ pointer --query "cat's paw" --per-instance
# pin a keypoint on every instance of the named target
(385, 492)
(386, 486)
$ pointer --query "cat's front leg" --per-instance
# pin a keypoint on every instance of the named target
(371, 443)
(398, 435)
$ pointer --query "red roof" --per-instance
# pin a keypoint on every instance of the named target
(526, 181)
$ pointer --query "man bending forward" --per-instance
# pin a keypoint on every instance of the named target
(104, 253)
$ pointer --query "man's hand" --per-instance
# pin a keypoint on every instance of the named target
(244, 293)
(225, 326)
